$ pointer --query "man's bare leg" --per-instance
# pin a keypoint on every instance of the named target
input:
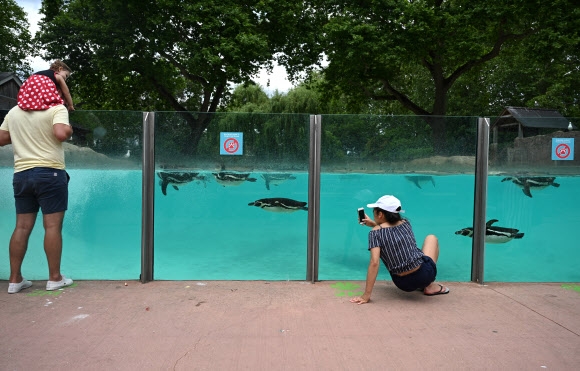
(19, 244)
(53, 243)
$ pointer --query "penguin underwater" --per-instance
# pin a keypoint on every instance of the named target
(276, 179)
(529, 183)
(279, 205)
(420, 179)
(228, 178)
(494, 234)
(176, 178)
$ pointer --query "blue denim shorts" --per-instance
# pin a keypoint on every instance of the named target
(419, 279)
(40, 188)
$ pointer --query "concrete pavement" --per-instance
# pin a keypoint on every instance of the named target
(262, 325)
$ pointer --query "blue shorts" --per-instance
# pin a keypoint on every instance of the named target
(40, 187)
(419, 279)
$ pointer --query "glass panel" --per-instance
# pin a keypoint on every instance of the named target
(205, 226)
(365, 157)
(533, 184)
(7, 217)
(102, 226)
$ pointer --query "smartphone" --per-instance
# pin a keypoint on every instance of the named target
(361, 215)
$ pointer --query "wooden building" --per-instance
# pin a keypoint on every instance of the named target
(9, 86)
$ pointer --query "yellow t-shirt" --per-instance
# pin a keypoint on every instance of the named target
(33, 140)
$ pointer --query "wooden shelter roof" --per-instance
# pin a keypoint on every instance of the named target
(531, 118)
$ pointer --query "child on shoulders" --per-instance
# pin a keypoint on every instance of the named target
(43, 89)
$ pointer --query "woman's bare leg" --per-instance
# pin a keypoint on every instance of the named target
(431, 249)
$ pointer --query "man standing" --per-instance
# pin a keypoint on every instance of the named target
(40, 182)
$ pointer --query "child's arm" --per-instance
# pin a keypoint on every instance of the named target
(65, 91)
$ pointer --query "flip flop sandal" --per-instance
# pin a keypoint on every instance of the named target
(442, 291)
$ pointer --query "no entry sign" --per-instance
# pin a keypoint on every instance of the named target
(231, 143)
(562, 149)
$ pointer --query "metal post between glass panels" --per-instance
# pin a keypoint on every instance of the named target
(480, 200)
(147, 205)
(313, 199)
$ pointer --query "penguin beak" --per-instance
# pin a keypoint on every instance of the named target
(464, 232)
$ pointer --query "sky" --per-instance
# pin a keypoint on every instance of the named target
(278, 78)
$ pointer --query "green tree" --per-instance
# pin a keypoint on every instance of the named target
(247, 97)
(414, 52)
(157, 54)
(15, 39)
(541, 71)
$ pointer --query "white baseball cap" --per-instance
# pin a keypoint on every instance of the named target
(388, 203)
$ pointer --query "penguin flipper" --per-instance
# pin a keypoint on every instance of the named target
(268, 185)
(490, 222)
(164, 184)
(415, 182)
(526, 189)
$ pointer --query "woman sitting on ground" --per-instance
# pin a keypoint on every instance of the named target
(392, 240)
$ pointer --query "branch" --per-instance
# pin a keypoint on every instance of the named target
(184, 70)
(216, 98)
(494, 52)
(206, 100)
(368, 93)
(208, 104)
(166, 94)
(403, 99)
(393, 94)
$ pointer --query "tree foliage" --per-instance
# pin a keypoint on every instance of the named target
(15, 39)
(414, 52)
(157, 54)
(248, 97)
(541, 71)
(430, 58)
(345, 137)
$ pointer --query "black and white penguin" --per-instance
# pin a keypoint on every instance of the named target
(228, 178)
(529, 183)
(176, 178)
(494, 234)
(420, 179)
(276, 178)
(279, 205)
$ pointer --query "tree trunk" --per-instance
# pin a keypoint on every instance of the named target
(198, 122)
(438, 134)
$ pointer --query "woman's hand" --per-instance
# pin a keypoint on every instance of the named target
(368, 222)
(360, 299)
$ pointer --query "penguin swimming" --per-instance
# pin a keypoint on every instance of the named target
(494, 234)
(228, 178)
(279, 205)
(529, 183)
(420, 179)
(176, 178)
(276, 178)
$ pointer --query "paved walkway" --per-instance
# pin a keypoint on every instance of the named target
(260, 325)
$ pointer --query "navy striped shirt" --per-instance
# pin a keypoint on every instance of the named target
(399, 251)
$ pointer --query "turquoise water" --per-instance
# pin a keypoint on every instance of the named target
(207, 231)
